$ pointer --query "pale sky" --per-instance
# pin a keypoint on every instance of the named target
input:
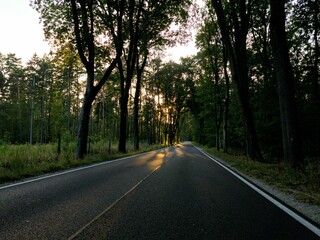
(21, 32)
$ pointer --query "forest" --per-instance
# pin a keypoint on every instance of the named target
(253, 85)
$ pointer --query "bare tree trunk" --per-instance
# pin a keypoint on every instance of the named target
(32, 112)
(125, 84)
(136, 103)
(288, 110)
(130, 61)
(227, 102)
(82, 145)
(315, 79)
(123, 124)
(42, 120)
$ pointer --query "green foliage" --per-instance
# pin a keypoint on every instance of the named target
(188, 100)
(303, 36)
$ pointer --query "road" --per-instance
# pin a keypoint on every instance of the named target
(172, 193)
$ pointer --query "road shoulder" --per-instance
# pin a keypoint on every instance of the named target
(310, 211)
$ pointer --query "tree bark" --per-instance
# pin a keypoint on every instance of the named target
(315, 79)
(227, 102)
(83, 132)
(85, 34)
(288, 111)
(123, 111)
(136, 103)
(126, 80)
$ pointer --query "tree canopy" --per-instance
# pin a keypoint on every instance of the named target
(106, 79)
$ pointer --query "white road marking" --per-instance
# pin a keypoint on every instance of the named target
(71, 171)
(112, 205)
(297, 217)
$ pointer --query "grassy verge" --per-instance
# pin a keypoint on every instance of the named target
(21, 161)
(305, 186)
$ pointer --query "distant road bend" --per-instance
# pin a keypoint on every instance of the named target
(174, 193)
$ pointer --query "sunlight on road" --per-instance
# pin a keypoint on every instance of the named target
(159, 159)
(152, 160)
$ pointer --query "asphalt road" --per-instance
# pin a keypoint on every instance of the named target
(173, 193)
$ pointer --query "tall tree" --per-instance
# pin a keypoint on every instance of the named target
(148, 22)
(84, 24)
(289, 121)
(67, 70)
(140, 68)
(156, 19)
(303, 32)
(12, 97)
(302, 25)
(209, 41)
(174, 87)
(79, 22)
(234, 29)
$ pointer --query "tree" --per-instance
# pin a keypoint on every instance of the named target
(289, 122)
(156, 19)
(264, 98)
(65, 90)
(84, 33)
(209, 42)
(140, 68)
(234, 29)
(79, 23)
(39, 76)
(146, 26)
(303, 33)
(174, 88)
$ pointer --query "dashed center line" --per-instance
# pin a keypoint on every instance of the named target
(112, 205)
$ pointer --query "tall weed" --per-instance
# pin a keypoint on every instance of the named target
(20, 161)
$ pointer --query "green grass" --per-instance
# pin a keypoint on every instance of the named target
(21, 161)
(305, 186)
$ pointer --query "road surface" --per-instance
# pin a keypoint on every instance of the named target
(173, 193)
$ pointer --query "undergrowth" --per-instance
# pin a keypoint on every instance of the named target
(21, 161)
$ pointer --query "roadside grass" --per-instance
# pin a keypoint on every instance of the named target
(22, 161)
(304, 185)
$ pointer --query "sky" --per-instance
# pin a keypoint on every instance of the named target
(21, 33)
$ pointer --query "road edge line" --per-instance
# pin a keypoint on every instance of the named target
(77, 169)
(271, 199)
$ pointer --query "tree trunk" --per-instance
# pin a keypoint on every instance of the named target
(217, 103)
(42, 121)
(136, 115)
(82, 145)
(136, 103)
(227, 101)
(126, 80)
(123, 124)
(50, 110)
(125, 83)
(32, 113)
(315, 79)
(84, 34)
(288, 110)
